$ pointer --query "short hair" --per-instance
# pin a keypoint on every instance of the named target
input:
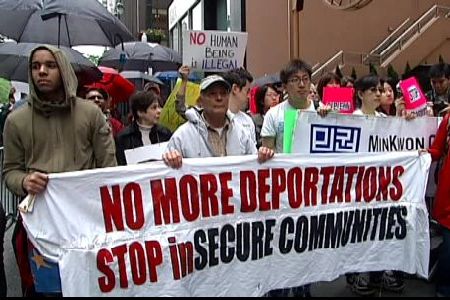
(326, 79)
(240, 77)
(141, 101)
(440, 70)
(292, 68)
(365, 83)
(102, 92)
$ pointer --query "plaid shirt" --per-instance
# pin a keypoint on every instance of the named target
(217, 141)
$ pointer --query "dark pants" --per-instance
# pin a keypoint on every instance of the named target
(443, 273)
(3, 287)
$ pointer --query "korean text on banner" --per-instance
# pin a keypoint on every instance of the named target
(415, 99)
(339, 99)
(231, 226)
(214, 51)
(338, 133)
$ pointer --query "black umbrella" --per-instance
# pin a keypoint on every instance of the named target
(140, 56)
(61, 22)
(267, 79)
(14, 61)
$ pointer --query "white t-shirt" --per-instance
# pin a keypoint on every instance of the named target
(246, 122)
(273, 125)
(359, 112)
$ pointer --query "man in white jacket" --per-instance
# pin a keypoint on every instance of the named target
(211, 131)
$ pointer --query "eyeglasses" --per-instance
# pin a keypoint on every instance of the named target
(377, 89)
(296, 80)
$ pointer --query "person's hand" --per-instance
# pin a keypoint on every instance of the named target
(409, 116)
(423, 151)
(265, 154)
(184, 72)
(173, 159)
(400, 107)
(324, 111)
(35, 183)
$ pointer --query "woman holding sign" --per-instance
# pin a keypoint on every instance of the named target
(369, 91)
(144, 130)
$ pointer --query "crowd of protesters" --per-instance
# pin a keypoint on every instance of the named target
(59, 132)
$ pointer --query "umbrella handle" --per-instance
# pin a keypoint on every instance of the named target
(117, 36)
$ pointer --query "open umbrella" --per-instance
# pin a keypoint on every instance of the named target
(14, 61)
(140, 56)
(119, 88)
(61, 22)
(267, 79)
(140, 79)
(173, 75)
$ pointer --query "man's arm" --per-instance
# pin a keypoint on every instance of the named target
(103, 143)
(180, 101)
(268, 142)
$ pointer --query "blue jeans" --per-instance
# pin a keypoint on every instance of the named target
(443, 274)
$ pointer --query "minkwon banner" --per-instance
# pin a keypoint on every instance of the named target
(337, 133)
(214, 51)
(233, 227)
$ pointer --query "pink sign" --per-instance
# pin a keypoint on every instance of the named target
(415, 100)
(340, 99)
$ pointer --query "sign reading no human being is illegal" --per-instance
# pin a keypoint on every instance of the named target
(214, 51)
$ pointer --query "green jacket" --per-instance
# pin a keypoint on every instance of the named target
(55, 137)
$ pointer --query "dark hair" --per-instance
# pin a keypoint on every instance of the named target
(440, 70)
(393, 83)
(292, 68)
(346, 80)
(141, 101)
(100, 90)
(392, 109)
(260, 97)
(326, 79)
(365, 83)
(239, 77)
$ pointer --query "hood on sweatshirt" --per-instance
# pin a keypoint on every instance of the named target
(69, 84)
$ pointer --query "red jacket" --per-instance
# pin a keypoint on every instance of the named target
(440, 149)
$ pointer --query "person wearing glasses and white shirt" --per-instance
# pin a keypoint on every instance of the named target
(296, 79)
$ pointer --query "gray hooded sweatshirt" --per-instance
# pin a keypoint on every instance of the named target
(191, 139)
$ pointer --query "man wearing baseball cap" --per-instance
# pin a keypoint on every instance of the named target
(211, 131)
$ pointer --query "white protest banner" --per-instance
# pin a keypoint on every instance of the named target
(145, 154)
(338, 133)
(231, 226)
(214, 51)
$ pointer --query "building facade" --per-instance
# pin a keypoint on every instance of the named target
(350, 33)
(223, 15)
(140, 15)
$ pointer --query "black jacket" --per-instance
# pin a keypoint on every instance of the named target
(131, 138)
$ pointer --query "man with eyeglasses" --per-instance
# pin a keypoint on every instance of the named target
(296, 79)
(102, 99)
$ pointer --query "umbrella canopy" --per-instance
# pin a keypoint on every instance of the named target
(14, 61)
(140, 79)
(61, 22)
(140, 76)
(140, 56)
(173, 75)
(267, 79)
(119, 88)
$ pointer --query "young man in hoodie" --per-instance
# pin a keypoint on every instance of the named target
(56, 132)
(211, 131)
